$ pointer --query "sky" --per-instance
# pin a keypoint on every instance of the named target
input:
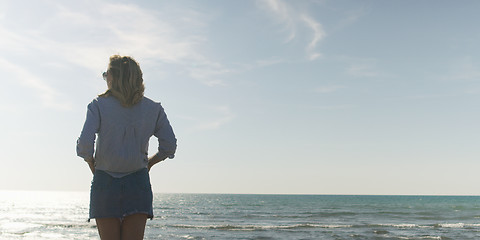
(265, 96)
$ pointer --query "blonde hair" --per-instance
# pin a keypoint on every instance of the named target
(127, 84)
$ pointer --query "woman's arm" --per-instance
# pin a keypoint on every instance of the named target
(91, 164)
(86, 141)
(167, 142)
(154, 160)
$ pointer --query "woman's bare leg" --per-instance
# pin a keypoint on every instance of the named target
(133, 226)
(109, 228)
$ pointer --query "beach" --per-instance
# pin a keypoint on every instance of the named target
(63, 215)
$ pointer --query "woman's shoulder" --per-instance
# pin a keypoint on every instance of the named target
(152, 105)
(149, 101)
(99, 100)
(105, 101)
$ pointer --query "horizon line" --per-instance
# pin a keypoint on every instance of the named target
(291, 194)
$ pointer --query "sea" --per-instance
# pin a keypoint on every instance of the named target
(63, 215)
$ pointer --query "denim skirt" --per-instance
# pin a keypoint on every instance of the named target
(120, 197)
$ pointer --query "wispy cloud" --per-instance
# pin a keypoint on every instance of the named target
(207, 118)
(362, 67)
(473, 91)
(84, 36)
(328, 89)
(48, 96)
(353, 16)
(362, 70)
(284, 14)
(318, 34)
(269, 62)
(329, 107)
(128, 29)
(223, 115)
(261, 63)
(209, 73)
(292, 18)
(464, 68)
(431, 96)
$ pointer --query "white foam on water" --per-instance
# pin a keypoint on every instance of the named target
(441, 225)
(452, 225)
(458, 225)
(421, 237)
(260, 227)
(187, 237)
(401, 225)
(406, 225)
(336, 226)
(17, 227)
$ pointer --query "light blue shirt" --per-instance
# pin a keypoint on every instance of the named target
(123, 135)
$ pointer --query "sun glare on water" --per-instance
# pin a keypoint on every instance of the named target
(28, 214)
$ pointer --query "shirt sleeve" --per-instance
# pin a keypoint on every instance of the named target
(86, 141)
(167, 143)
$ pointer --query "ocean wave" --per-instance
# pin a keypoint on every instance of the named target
(458, 225)
(327, 214)
(66, 225)
(228, 227)
(303, 215)
(400, 225)
(451, 225)
(420, 237)
(411, 225)
(379, 228)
